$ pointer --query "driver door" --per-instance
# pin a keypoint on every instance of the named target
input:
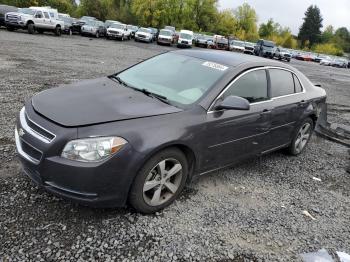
(39, 19)
(234, 134)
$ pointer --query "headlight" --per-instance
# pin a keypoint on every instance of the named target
(92, 149)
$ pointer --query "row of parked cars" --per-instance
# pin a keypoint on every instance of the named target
(41, 19)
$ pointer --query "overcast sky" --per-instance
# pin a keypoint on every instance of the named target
(291, 12)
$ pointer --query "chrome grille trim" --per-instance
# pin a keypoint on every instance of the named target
(34, 133)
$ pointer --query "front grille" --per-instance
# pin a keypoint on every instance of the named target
(39, 130)
(184, 42)
(12, 18)
(286, 55)
(141, 36)
(31, 151)
(249, 48)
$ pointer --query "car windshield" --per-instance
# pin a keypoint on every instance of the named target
(237, 43)
(268, 44)
(90, 23)
(144, 30)
(181, 79)
(26, 11)
(117, 26)
(186, 36)
(165, 32)
(67, 19)
(171, 28)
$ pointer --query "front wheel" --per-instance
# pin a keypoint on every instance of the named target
(301, 137)
(97, 34)
(31, 29)
(160, 181)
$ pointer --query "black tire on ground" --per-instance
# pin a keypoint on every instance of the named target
(70, 32)
(136, 194)
(136, 39)
(129, 37)
(31, 29)
(122, 39)
(58, 31)
(293, 147)
(107, 37)
(97, 34)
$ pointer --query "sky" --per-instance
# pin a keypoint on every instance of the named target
(291, 12)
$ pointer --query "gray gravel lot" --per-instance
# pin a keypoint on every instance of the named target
(251, 212)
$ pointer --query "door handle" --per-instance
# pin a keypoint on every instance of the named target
(265, 112)
(302, 103)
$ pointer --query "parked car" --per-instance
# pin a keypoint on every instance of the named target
(237, 46)
(327, 61)
(109, 22)
(155, 33)
(185, 38)
(68, 24)
(282, 54)
(79, 23)
(221, 43)
(171, 28)
(202, 41)
(33, 19)
(248, 48)
(165, 37)
(144, 35)
(118, 31)
(93, 28)
(303, 56)
(340, 63)
(264, 48)
(133, 29)
(320, 57)
(138, 139)
(6, 9)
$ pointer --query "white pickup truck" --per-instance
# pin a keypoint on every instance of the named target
(33, 19)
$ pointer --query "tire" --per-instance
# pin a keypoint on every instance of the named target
(57, 31)
(129, 37)
(122, 39)
(97, 35)
(304, 129)
(160, 191)
(70, 32)
(31, 29)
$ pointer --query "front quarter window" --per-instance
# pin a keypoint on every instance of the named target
(183, 80)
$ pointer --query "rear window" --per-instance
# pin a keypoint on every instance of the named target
(282, 82)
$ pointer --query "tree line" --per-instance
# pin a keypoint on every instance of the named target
(205, 16)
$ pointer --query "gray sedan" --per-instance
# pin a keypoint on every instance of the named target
(140, 135)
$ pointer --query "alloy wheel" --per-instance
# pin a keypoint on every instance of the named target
(162, 182)
(302, 137)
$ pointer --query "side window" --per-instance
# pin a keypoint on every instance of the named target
(282, 82)
(297, 84)
(52, 15)
(46, 14)
(251, 86)
(39, 14)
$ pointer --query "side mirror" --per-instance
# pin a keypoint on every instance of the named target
(233, 103)
(319, 85)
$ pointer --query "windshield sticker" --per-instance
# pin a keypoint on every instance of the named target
(215, 66)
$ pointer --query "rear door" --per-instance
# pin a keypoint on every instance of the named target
(234, 134)
(287, 106)
(47, 20)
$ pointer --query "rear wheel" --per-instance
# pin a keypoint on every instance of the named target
(160, 181)
(31, 28)
(301, 137)
(97, 35)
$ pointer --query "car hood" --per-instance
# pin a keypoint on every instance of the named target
(96, 101)
(18, 14)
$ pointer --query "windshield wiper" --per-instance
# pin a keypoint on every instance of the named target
(164, 99)
(143, 90)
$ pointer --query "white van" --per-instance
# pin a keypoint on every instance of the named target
(185, 38)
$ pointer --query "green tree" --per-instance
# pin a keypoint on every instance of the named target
(246, 22)
(269, 29)
(327, 34)
(226, 23)
(310, 30)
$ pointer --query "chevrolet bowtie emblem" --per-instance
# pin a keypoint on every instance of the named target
(21, 132)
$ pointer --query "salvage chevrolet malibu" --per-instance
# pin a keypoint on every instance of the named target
(140, 135)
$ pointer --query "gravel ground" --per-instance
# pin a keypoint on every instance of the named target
(252, 212)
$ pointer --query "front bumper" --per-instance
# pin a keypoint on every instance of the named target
(102, 184)
(143, 39)
(18, 24)
(114, 35)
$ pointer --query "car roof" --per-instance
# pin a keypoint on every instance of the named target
(232, 59)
